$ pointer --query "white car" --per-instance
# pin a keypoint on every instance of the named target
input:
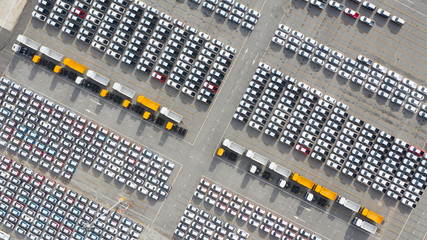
(281, 34)
(370, 87)
(297, 34)
(332, 68)
(278, 41)
(285, 28)
(344, 74)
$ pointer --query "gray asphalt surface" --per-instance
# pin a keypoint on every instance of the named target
(401, 49)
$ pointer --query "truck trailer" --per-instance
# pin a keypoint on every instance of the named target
(257, 157)
(148, 103)
(74, 65)
(27, 42)
(348, 204)
(233, 146)
(365, 225)
(51, 54)
(302, 180)
(371, 215)
(124, 90)
(325, 192)
(279, 169)
(98, 78)
(171, 114)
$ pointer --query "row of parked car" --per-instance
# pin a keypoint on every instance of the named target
(319, 125)
(368, 6)
(39, 208)
(362, 71)
(236, 12)
(58, 140)
(192, 61)
(140, 169)
(195, 220)
(36, 129)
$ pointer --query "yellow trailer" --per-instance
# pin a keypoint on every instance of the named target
(325, 192)
(371, 215)
(148, 103)
(303, 181)
(75, 65)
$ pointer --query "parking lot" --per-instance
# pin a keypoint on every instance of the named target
(330, 104)
(182, 49)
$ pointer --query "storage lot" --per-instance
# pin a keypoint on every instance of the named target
(195, 67)
(346, 35)
(36, 206)
(223, 204)
(319, 126)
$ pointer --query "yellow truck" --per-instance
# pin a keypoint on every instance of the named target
(148, 103)
(220, 151)
(36, 59)
(126, 103)
(371, 215)
(303, 181)
(57, 69)
(74, 65)
(104, 92)
(325, 192)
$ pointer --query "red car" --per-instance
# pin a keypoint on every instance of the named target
(78, 12)
(302, 149)
(351, 13)
(178, 23)
(210, 87)
(417, 151)
(5, 136)
(159, 77)
(40, 177)
(7, 160)
(4, 167)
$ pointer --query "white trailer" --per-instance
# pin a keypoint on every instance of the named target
(280, 169)
(348, 204)
(52, 54)
(98, 78)
(233, 146)
(124, 90)
(365, 225)
(171, 114)
(257, 157)
(27, 42)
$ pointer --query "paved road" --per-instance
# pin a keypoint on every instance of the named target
(400, 49)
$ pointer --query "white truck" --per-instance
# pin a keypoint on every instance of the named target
(124, 90)
(233, 146)
(52, 54)
(171, 114)
(280, 169)
(257, 157)
(98, 78)
(348, 204)
(27, 42)
(365, 225)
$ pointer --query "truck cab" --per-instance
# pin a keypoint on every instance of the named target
(254, 169)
